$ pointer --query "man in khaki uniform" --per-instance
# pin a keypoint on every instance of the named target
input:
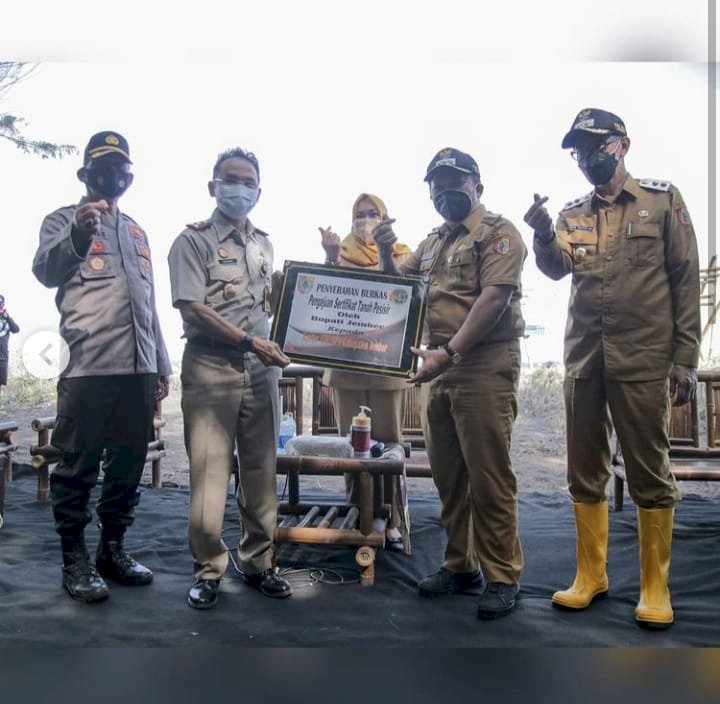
(472, 264)
(220, 273)
(631, 347)
(382, 394)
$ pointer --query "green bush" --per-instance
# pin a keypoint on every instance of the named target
(23, 389)
(541, 394)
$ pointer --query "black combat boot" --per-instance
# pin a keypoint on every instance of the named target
(80, 578)
(113, 562)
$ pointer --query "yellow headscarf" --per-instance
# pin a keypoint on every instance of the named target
(355, 251)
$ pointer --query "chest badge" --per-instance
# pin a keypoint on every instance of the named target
(580, 254)
(97, 264)
(229, 291)
(223, 253)
(643, 213)
(97, 247)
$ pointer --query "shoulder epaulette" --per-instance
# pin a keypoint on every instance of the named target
(260, 232)
(434, 231)
(200, 225)
(653, 184)
(577, 201)
(491, 218)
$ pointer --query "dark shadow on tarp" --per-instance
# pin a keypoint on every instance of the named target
(34, 610)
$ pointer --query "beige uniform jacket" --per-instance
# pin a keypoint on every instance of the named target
(635, 298)
(458, 263)
(229, 271)
(341, 379)
(105, 295)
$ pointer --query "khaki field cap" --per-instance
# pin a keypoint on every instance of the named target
(594, 121)
(104, 143)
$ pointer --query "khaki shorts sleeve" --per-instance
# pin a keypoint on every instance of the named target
(188, 273)
(501, 257)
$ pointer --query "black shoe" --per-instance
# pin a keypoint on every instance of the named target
(394, 544)
(81, 579)
(204, 594)
(116, 564)
(445, 582)
(497, 600)
(269, 583)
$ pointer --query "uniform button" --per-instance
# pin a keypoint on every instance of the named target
(608, 258)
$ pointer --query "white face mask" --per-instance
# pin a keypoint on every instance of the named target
(363, 227)
(234, 199)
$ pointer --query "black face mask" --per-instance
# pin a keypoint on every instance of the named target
(453, 205)
(598, 167)
(108, 182)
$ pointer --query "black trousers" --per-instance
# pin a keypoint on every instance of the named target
(111, 413)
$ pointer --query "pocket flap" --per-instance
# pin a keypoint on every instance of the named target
(224, 272)
(643, 229)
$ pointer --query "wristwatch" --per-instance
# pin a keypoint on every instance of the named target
(454, 356)
(246, 344)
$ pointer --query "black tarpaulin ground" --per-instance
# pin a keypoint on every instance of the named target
(34, 610)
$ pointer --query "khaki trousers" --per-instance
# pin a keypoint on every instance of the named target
(468, 416)
(640, 412)
(227, 405)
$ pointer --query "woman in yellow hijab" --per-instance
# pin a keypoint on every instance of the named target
(383, 395)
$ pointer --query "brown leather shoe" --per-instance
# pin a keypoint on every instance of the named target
(269, 583)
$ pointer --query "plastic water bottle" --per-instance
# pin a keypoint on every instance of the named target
(288, 429)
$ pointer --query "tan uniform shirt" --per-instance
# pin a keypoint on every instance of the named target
(458, 262)
(106, 296)
(635, 297)
(229, 271)
(341, 379)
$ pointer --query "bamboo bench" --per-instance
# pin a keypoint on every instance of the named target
(690, 458)
(8, 445)
(43, 454)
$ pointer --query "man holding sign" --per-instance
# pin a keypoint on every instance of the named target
(471, 366)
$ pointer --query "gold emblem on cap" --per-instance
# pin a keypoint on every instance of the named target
(229, 291)
(445, 152)
(643, 213)
(223, 252)
(97, 263)
(112, 139)
(583, 113)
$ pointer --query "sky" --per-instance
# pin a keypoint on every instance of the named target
(336, 99)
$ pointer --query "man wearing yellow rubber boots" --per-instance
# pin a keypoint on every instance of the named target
(631, 349)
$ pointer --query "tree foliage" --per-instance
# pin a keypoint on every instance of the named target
(11, 73)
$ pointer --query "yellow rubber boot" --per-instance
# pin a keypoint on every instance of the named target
(591, 582)
(655, 535)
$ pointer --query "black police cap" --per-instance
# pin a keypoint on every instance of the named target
(104, 143)
(452, 159)
(594, 122)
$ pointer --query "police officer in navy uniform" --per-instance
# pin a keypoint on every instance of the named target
(221, 279)
(99, 260)
(632, 346)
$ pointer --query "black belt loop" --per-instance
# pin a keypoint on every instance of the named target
(215, 346)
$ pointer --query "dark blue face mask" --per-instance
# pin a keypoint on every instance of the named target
(453, 205)
(108, 181)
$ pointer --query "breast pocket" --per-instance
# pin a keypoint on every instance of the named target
(583, 249)
(98, 267)
(643, 244)
(462, 267)
(223, 282)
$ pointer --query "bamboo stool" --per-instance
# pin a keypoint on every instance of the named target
(339, 524)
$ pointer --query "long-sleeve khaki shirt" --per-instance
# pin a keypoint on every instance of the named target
(105, 296)
(635, 298)
(458, 262)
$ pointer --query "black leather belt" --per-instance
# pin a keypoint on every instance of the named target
(209, 344)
